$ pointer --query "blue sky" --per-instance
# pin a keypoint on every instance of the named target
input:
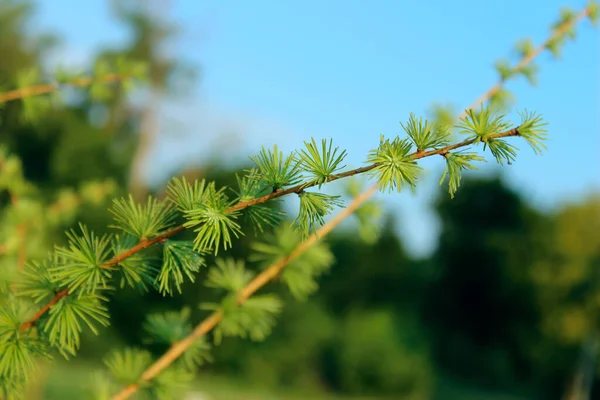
(282, 72)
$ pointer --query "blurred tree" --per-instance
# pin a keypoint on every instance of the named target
(566, 276)
(152, 37)
(66, 148)
(480, 306)
(21, 51)
(382, 271)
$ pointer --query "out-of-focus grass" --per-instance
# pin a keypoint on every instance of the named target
(62, 380)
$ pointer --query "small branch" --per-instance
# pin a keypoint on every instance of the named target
(144, 243)
(525, 61)
(177, 349)
(43, 310)
(51, 87)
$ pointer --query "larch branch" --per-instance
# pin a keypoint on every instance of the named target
(144, 243)
(177, 349)
(525, 61)
(51, 87)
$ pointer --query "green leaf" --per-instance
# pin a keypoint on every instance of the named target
(101, 386)
(275, 169)
(261, 216)
(127, 365)
(171, 383)
(179, 261)
(136, 69)
(171, 327)
(251, 186)
(530, 73)
(34, 107)
(142, 221)
(63, 75)
(532, 130)
(525, 48)
(394, 166)
(228, 274)
(80, 266)
(254, 318)
(567, 18)
(36, 282)
(426, 135)
(100, 91)
(480, 124)
(592, 8)
(368, 214)
(197, 354)
(130, 71)
(502, 150)
(501, 100)
(11, 388)
(215, 226)
(554, 46)
(140, 269)
(17, 351)
(443, 116)
(300, 274)
(185, 195)
(321, 165)
(455, 164)
(65, 320)
(313, 208)
(504, 69)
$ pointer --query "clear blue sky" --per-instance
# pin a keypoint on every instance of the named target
(282, 71)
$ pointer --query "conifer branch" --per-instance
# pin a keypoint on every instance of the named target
(144, 243)
(52, 87)
(177, 349)
(523, 63)
(529, 58)
(44, 309)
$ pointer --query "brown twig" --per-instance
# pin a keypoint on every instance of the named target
(525, 61)
(177, 349)
(43, 310)
(51, 87)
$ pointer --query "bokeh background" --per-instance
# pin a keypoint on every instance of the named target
(492, 295)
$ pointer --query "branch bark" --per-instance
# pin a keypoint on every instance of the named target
(51, 87)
